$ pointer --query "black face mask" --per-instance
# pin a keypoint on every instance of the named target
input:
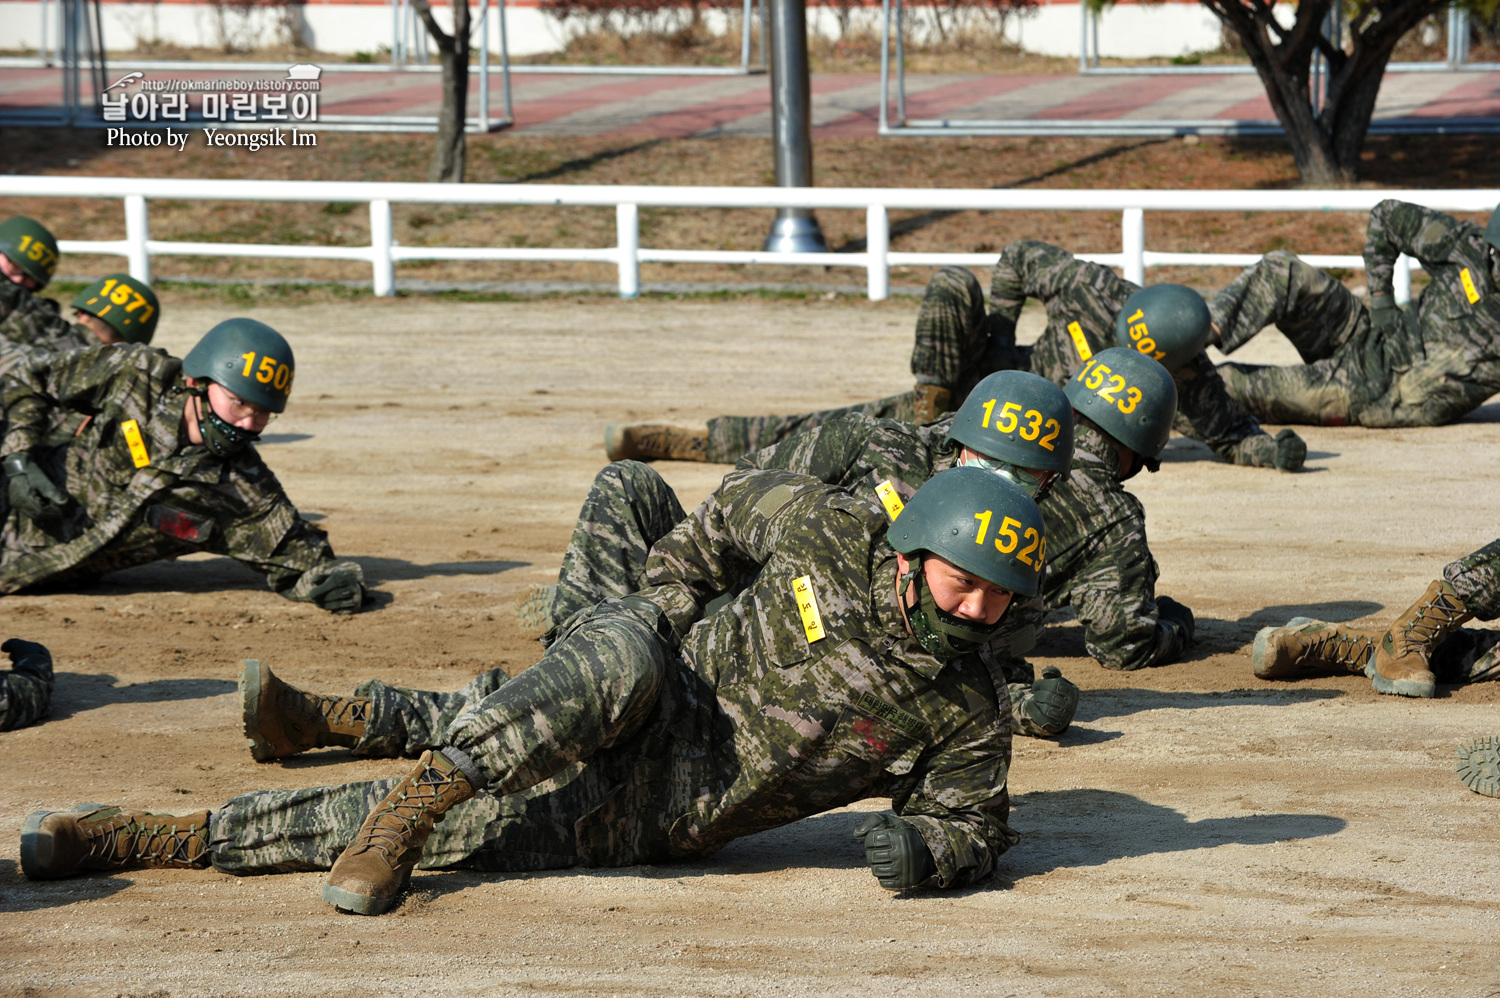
(940, 633)
(219, 436)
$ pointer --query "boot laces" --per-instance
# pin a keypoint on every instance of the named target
(336, 711)
(412, 810)
(665, 440)
(1431, 622)
(144, 842)
(1342, 646)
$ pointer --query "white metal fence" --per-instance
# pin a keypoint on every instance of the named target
(628, 254)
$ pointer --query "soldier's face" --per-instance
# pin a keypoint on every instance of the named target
(102, 330)
(16, 275)
(959, 592)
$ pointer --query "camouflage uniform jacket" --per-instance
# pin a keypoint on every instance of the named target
(1097, 556)
(1453, 363)
(170, 499)
(797, 719)
(32, 327)
(1082, 301)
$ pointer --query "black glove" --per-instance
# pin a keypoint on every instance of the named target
(1291, 451)
(28, 656)
(1385, 316)
(1053, 702)
(32, 492)
(897, 855)
(1178, 620)
(338, 591)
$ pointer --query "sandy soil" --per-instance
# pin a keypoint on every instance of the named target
(1196, 831)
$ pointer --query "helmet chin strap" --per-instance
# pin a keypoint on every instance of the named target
(941, 634)
(220, 436)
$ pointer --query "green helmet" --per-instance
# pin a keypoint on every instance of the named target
(129, 306)
(29, 246)
(1129, 396)
(1492, 230)
(1017, 419)
(1167, 322)
(981, 523)
(247, 357)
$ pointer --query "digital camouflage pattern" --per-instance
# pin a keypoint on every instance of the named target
(183, 499)
(1476, 578)
(1440, 363)
(752, 724)
(26, 689)
(957, 345)
(32, 327)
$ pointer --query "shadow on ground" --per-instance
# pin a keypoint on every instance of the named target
(76, 692)
(19, 894)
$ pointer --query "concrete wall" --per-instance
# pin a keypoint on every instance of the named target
(350, 26)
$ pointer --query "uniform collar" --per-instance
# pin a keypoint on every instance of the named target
(893, 624)
(1092, 449)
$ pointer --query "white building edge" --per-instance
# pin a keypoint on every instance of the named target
(347, 27)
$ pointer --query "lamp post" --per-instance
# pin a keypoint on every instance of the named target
(795, 229)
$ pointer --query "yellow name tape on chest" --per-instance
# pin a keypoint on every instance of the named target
(889, 499)
(1469, 289)
(807, 605)
(1079, 340)
(132, 432)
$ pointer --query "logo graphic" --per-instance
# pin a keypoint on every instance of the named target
(125, 81)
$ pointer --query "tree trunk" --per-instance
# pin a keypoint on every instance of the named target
(447, 164)
(1326, 142)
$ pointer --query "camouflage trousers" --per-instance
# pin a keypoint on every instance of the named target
(1346, 368)
(25, 698)
(953, 349)
(555, 744)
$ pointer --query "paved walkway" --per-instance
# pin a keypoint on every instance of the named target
(842, 104)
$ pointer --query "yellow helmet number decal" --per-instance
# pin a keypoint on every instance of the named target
(1007, 539)
(1109, 386)
(1030, 423)
(1142, 335)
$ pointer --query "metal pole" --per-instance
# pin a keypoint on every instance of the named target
(1083, 37)
(137, 232)
(628, 235)
(484, 66)
(380, 249)
(765, 35)
(900, 62)
(745, 37)
(885, 66)
(510, 113)
(795, 229)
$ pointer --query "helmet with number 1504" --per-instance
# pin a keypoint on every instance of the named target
(1129, 396)
(1167, 322)
(126, 305)
(28, 245)
(1016, 420)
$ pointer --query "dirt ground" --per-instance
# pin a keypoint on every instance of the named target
(1195, 831)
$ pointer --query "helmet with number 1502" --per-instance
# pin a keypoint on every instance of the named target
(126, 305)
(1129, 396)
(1016, 420)
(28, 245)
(1167, 322)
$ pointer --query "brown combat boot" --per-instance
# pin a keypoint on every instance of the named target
(375, 868)
(1400, 663)
(932, 404)
(282, 720)
(654, 441)
(1281, 652)
(95, 837)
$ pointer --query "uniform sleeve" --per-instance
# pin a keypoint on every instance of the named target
(36, 321)
(854, 451)
(80, 380)
(730, 536)
(960, 803)
(271, 538)
(1398, 227)
(1206, 412)
(1027, 269)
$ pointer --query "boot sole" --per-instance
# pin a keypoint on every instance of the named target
(1258, 651)
(362, 904)
(1400, 687)
(36, 848)
(1479, 765)
(250, 687)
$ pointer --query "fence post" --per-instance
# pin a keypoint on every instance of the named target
(137, 231)
(1133, 244)
(628, 234)
(877, 245)
(1401, 280)
(380, 248)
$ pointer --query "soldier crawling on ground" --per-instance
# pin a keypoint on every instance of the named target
(1089, 309)
(1378, 366)
(843, 670)
(157, 463)
(114, 309)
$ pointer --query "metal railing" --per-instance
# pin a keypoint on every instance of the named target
(627, 255)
